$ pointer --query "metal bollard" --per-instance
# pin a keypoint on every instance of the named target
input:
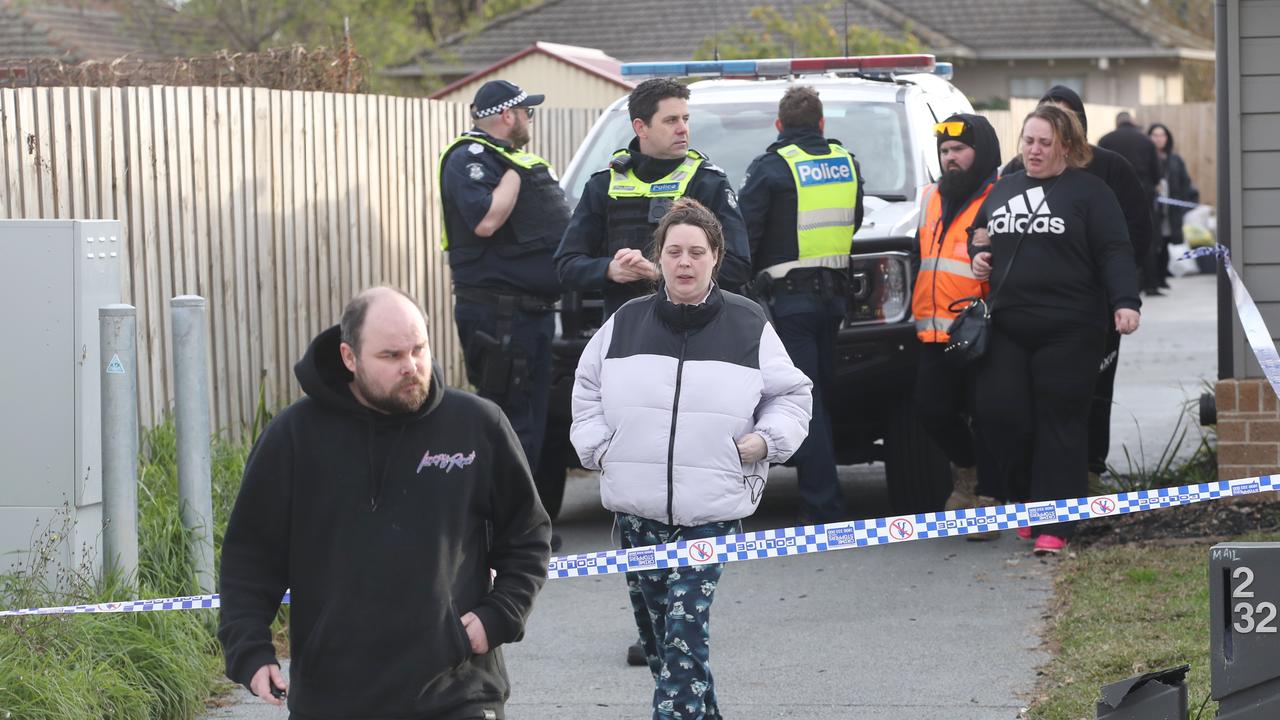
(117, 325)
(191, 410)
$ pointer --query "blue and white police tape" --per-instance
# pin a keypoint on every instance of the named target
(810, 539)
(1255, 329)
(1166, 200)
(804, 540)
(190, 602)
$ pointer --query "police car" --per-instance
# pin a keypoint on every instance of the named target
(883, 109)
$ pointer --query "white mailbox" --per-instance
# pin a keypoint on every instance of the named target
(54, 276)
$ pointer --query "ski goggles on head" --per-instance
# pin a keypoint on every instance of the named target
(950, 128)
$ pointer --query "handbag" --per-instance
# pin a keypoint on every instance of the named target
(970, 331)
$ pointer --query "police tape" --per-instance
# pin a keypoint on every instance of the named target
(808, 539)
(803, 540)
(1166, 200)
(1255, 329)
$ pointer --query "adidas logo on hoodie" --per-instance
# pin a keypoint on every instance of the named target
(1015, 215)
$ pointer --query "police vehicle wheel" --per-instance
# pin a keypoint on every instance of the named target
(917, 471)
(552, 469)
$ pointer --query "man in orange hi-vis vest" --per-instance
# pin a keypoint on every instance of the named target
(969, 155)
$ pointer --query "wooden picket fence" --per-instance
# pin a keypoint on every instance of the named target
(275, 206)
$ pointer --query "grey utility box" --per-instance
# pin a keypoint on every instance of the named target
(1244, 594)
(54, 276)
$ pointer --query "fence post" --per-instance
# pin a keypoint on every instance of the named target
(117, 326)
(191, 410)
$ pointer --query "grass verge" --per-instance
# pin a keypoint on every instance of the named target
(144, 666)
(1123, 611)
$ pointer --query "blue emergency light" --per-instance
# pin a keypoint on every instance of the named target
(780, 67)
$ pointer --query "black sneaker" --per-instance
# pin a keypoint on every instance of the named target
(635, 655)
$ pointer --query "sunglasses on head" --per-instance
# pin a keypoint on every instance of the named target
(951, 128)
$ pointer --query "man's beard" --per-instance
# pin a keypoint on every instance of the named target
(519, 136)
(396, 401)
(958, 185)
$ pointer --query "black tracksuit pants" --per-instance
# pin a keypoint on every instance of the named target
(1100, 412)
(1034, 391)
(944, 397)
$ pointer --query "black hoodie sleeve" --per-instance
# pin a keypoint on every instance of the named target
(1111, 250)
(581, 263)
(1120, 176)
(255, 554)
(755, 200)
(521, 539)
(712, 189)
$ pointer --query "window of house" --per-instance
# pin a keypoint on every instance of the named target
(1035, 86)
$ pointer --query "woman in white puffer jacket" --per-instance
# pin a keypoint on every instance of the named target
(681, 400)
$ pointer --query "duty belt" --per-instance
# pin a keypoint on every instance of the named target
(834, 262)
(516, 301)
(819, 281)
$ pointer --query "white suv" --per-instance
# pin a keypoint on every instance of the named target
(886, 118)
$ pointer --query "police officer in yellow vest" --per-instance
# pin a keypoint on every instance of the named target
(603, 247)
(969, 155)
(504, 213)
(802, 203)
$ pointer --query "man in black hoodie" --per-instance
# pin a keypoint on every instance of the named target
(802, 203)
(1120, 176)
(382, 500)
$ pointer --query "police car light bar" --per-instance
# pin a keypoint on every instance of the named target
(782, 66)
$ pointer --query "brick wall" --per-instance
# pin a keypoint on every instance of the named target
(1248, 429)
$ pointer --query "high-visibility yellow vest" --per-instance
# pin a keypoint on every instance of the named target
(626, 184)
(945, 272)
(519, 160)
(826, 198)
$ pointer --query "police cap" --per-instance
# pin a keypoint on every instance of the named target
(497, 95)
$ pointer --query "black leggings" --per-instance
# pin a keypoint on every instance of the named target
(1034, 391)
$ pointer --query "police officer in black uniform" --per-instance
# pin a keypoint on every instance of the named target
(504, 214)
(802, 202)
(603, 248)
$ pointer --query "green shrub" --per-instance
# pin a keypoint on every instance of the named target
(152, 665)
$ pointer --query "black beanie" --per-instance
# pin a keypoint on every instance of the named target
(1068, 97)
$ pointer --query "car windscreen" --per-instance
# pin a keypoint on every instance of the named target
(733, 134)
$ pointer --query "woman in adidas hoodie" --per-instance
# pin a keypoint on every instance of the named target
(681, 401)
(1059, 260)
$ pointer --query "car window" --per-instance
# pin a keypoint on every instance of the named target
(733, 134)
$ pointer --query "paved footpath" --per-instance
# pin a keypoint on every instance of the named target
(932, 630)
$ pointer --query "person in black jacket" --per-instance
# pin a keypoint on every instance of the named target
(803, 256)
(1175, 184)
(382, 500)
(603, 247)
(1129, 141)
(1123, 180)
(1059, 261)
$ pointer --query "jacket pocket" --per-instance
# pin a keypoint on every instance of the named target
(604, 449)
